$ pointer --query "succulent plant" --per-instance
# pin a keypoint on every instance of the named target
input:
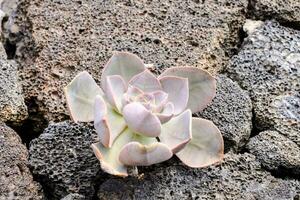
(141, 119)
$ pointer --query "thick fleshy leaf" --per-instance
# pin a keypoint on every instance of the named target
(202, 86)
(108, 123)
(146, 81)
(109, 157)
(178, 90)
(167, 113)
(136, 154)
(206, 146)
(124, 64)
(140, 120)
(131, 95)
(114, 90)
(134, 91)
(177, 132)
(80, 94)
(160, 100)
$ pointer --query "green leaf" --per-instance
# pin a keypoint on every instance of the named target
(108, 123)
(109, 157)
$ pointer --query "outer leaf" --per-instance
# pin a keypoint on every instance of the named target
(136, 154)
(167, 113)
(114, 91)
(140, 120)
(177, 132)
(145, 81)
(206, 146)
(124, 64)
(108, 123)
(178, 90)
(80, 94)
(202, 86)
(109, 157)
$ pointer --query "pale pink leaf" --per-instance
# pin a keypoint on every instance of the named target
(167, 113)
(202, 86)
(177, 132)
(206, 146)
(141, 120)
(160, 100)
(145, 81)
(124, 64)
(178, 90)
(114, 91)
(136, 154)
(80, 94)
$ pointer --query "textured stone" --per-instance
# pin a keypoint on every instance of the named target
(73, 196)
(231, 111)
(276, 152)
(282, 10)
(268, 66)
(8, 6)
(70, 36)
(63, 160)
(12, 106)
(239, 177)
(16, 181)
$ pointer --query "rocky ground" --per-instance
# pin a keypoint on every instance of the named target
(251, 47)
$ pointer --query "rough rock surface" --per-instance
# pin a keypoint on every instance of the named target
(276, 152)
(231, 111)
(281, 10)
(73, 196)
(239, 177)
(16, 181)
(70, 36)
(63, 160)
(12, 106)
(8, 6)
(268, 66)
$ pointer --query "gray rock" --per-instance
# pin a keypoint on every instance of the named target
(72, 36)
(280, 112)
(8, 6)
(12, 106)
(73, 196)
(231, 111)
(239, 177)
(16, 182)
(276, 152)
(268, 66)
(63, 160)
(286, 11)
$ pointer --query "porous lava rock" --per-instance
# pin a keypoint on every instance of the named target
(285, 11)
(12, 106)
(268, 66)
(63, 161)
(276, 152)
(231, 111)
(16, 181)
(64, 37)
(73, 196)
(239, 177)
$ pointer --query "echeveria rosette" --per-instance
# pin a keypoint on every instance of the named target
(141, 119)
